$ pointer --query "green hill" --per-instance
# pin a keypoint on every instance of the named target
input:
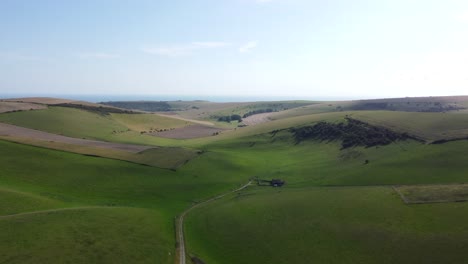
(338, 205)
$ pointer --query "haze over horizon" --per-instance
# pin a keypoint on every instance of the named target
(240, 48)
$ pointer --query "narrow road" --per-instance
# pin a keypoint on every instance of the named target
(180, 221)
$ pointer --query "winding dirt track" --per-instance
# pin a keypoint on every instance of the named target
(180, 221)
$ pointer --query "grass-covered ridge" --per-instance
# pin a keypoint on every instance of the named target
(338, 206)
(66, 121)
(86, 235)
(327, 225)
(120, 206)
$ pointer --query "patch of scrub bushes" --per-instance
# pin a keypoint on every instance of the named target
(230, 118)
(96, 109)
(352, 133)
(259, 111)
(150, 106)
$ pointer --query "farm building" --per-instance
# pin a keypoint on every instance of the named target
(277, 183)
(273, 183)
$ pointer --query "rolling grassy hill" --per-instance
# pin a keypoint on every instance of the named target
(327, 225)
(116, 127)
(430, 126)
(334, 208)
(356, 230)
(86, 235)
(66, 121)
(120, 206)
(147, 122)
(206, 109)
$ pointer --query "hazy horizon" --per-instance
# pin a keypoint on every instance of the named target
(238, 48)
(96, 98)
(151, 97)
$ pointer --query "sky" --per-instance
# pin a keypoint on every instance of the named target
(251, 48)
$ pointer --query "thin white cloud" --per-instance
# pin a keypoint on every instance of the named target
(18, 56)
(462, 17)
(172, 51)
(211, 44)
(182, 50)
(248, 46)
(97, 55)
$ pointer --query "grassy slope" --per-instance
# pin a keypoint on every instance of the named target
(237, 156)
(84, 124)
(111, 235)
(430, 126)
(66, 121)
(434, 193)
(161, 157)
(13, 202)
(205, 110)
(297, 223)
(124, 128)
(145, 122)
(85, 181)
(82, 180)
(322, 107)
(314, 163)
(79, 123)
(40, 179)
(327, 225)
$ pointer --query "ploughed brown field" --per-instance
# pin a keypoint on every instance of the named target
(22, 132)
(257, 119)
(194, 131)
(6, 107)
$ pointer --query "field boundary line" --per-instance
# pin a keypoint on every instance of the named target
(415, 202)
(403, 198)
(58, 210)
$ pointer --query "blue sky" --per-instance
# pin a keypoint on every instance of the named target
(296, 48)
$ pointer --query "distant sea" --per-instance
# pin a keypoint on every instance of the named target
(106, 98)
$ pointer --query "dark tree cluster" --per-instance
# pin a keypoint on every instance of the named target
(417, 106)
(352, 133)
(102, 110)
(149, 106)
(443, 141)
(259, 111)
(230, 118)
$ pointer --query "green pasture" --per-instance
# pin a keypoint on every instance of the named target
(65, 121)
(87, 235)
(327, 225)
(13, 202)
(148, 122)
(35, 179)
(127, 128)
(90, 125)
(334, 208)
(161, 157)
(207, 110)
(84, 181)
(434, 193)
(430, 126)
(323, 163)
(317, 108)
